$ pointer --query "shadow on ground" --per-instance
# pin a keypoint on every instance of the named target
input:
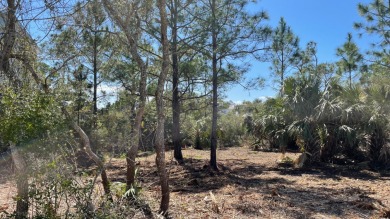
(279, 193)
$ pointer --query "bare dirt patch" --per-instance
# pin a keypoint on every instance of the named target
(251, 185)
(7, 187)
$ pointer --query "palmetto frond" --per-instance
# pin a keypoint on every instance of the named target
(328, 111)
(347, 135)
(354, 114)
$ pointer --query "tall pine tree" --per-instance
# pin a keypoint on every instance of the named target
(231, 33)
(284, 49)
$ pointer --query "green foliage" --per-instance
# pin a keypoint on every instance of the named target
(113, 127)
(286, 161)
(197, 132)
(59, 189)
(350, 59)
(231, 130)
(55, 191)
(284, 48)
(349, 122)
(196, 129)
(119, 190)
(27, 115)
(377, 22)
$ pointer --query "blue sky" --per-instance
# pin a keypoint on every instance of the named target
(325, 22)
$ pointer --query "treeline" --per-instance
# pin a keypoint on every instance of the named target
(106, 78)
(333, 112)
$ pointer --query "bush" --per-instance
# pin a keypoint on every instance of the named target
(231, 129)
(60, 189)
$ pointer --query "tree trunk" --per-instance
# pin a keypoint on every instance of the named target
(213, 148)
(350, 78)
(159, 145)
(282, 76)
(198, 145)
(95, 72)
(176, 138)
(132, 38)
(86, 145)
(136, 129)
(8, 38)
(21, 183)
(132, 152)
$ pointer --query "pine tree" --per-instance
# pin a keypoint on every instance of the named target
(232, 33)
(350, 58)
(377, 22)
(284, 48)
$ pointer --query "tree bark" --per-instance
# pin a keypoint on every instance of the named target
(8, 41)
(86, 146)
(176, 138)
(159, 145)
(95, 72)
(9, 36)
(136, 134)
(132, 38)
(213, 148)
(282, 76)
(21, 183)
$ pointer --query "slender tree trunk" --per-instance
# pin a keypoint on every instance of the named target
(86, 145)
(79, 104)
(131, 156)
(213, 148)
(350, 78)
(94, 100)
(95, 72)
(9, 36)
(176, 138)
(136, 130)
(282, 76)
(21, 183)
(8, 41)
(159, 145)
(132, 38)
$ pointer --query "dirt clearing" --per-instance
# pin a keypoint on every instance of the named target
(251, 185)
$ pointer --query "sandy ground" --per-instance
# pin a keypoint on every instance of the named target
(252, 185)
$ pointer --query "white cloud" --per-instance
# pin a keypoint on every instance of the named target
(263, 98)
(109, 88)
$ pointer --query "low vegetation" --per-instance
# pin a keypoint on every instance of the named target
(116, 112)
